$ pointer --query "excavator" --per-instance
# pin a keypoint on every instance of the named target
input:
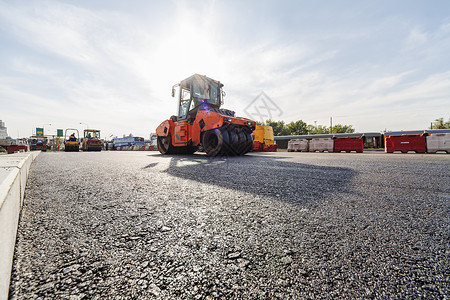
(201, 123)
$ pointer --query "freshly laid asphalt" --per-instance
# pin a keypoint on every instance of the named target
(140, 225)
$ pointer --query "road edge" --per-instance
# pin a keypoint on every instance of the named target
(15, 169)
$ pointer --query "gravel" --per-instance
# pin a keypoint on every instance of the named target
(128, 225)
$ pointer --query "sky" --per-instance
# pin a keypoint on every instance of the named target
(110, 65)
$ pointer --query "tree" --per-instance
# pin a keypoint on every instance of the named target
(320, 129)
(311, 129)
(338, 128)
(297, 128)
(440, 124)
(300, 128)
(279, 128)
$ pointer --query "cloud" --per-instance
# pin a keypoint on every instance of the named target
(55, 28)
(416, 37)
(94, 70)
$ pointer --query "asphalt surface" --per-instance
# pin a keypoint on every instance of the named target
(139, 225)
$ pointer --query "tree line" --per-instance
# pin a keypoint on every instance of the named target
(301, 128)
(440, 124)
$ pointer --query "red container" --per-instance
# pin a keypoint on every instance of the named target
(348, 144)
(405, 143)
(257, 146)
(17, 148)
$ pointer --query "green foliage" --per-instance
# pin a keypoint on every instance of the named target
(440, 124)
(297, 128)
(279, 128)
(301, 128)
(338, 128)
(320, 129)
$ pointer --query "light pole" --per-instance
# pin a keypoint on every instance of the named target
(87, 126)
(331, 125)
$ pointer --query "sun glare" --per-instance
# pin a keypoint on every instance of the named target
(182, 52)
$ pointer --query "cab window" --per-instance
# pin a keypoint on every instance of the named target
(184, 102)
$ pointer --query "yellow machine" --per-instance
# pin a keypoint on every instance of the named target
(264, 134)
(91, 140)
(264, 139)
(71, 143)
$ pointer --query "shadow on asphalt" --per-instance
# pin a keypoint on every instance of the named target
(265, 176)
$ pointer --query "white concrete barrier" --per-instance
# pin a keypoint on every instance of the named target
(298, 145)
(438, 142)
(321, 144)
(135, 148)
(14, 169)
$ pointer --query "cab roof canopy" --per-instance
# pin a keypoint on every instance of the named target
(187, 82)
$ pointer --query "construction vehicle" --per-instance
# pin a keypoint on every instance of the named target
(91, 140)
(201, 124)
(71, 144)
(264, 139)
(38, 143)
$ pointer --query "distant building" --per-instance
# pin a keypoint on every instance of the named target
(5, 140)
(3, 131)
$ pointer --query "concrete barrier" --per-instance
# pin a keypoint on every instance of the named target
(136, 148)
(405, 143)
(438, 142)
(301, 145)
(321, 145)
(14, 169)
